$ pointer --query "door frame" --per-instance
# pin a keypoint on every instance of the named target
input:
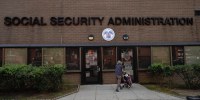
(99, 63)
(134, 61)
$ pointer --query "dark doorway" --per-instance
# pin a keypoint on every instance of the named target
(178, 55)
(35, 56)
(91, 66)
(128, 55)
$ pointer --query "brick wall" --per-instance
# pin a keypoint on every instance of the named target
(109, 78)
(177, 80)
(144, 77)
(94, 8)
(73, 78)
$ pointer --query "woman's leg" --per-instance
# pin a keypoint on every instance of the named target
(118, 83)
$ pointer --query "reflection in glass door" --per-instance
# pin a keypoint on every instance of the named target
(91, 66)
(128, 57)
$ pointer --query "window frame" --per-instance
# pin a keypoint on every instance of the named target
(19, 54)
(175, 55)
(78, 58)
(103, 58)
(30, 52)
(147, 56)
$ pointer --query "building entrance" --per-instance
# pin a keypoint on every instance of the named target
(128, 56)
(91, 66)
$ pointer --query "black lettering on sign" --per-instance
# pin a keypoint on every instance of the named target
(7, 21)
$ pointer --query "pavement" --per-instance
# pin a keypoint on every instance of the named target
(107, 92)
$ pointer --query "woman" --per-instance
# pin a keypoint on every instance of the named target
(118, 74)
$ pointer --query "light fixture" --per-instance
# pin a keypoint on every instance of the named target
(91, 37)
(125, 37)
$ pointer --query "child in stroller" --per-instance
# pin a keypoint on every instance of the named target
(127, 80)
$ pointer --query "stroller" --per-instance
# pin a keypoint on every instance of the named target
(127, 80)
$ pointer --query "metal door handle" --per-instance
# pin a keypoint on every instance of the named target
(98, 68)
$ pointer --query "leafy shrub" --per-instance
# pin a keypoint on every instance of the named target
(190, 75)
(19, 77)
(156, 70)
(160, 72)
(168, 73)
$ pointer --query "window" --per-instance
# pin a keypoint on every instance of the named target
(161, 55)
(72, 59)
(1, 56)
(109, 57)
(15, 56)
(53, 56)
(177, 55)
(35, 56)
(197, 12)
(192, 54)
(144, 57)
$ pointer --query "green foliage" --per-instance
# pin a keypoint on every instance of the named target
(19, 77)
(168, 71)
(161, 71)
(190, 75)
(156, 70)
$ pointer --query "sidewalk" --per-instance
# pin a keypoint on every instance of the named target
(107, 92)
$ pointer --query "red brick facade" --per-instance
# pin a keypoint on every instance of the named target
(139, 35)
(73, 78)
(91, 8)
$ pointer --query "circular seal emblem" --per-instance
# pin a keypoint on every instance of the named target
(108, 34)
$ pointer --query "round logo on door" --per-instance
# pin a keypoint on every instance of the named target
(108, 34)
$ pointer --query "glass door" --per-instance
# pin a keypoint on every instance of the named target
(91, 68)
(129, 58)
